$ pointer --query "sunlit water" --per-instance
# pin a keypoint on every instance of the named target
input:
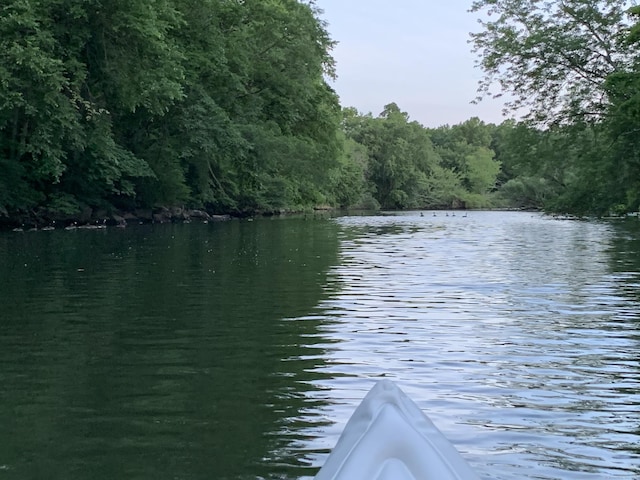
(239, 350)
(517, 334)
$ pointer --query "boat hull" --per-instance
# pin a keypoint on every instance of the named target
(388, 437)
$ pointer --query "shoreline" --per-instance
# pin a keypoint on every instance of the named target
(93, 220)
(89, 219)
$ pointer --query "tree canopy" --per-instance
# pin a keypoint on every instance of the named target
(554, 57)
(572, 66)
(143, 103)
(225, 105)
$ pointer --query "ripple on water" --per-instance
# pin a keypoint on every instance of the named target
(511, 331)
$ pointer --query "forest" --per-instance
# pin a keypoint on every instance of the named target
(226, 106)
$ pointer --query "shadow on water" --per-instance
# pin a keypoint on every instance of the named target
(158, 351)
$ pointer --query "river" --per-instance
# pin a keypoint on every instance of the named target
(238, 350)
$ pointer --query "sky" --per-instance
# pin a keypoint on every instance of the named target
(411, 52)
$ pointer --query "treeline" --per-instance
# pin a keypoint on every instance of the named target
(215, 104)
(579, 167)
(224, 105)
(140, 103)
(573, 69)
(402, 165)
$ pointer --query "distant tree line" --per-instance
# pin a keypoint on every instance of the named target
(403, 165)
(224, 105)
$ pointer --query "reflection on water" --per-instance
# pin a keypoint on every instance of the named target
(517, 334)
(239, 350)
(156, 352)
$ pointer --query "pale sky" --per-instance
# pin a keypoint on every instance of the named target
(411, 52)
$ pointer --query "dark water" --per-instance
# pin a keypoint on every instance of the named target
(238, 350)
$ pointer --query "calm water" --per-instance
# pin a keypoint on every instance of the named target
(239, 350)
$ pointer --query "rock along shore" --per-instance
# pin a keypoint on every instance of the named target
(91, 219)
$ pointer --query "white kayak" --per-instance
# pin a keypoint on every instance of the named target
(389, 438)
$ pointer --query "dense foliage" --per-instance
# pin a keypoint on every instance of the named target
(224, 105)
(574, 67)
(214, 104)
(140, 103)
(409, 166)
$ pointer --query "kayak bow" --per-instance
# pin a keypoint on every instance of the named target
(389, 438)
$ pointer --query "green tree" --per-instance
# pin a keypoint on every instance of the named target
(163, 102)
(71, 70)
(482, 170)
(400, 155)
(623, 126)
(348, 179)
(283, 107)
(38, 111)
(529, 174)
(133, 76)
(466, 150)
(573, 66)
(554, 57)
(444, 189)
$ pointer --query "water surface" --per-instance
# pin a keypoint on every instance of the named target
(239, 350)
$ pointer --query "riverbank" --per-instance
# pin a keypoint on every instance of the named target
(93, 219)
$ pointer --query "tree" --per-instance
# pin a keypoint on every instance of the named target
(444, 190)
(128, 103)
(287, 115)
(554, 57)
(348, 179)
(38, 109)
(400, 155)
(134, 75)
(524, 157)
(574, 66)
(466, 150)
(71, 71)
(623, 125)
(482, 170)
